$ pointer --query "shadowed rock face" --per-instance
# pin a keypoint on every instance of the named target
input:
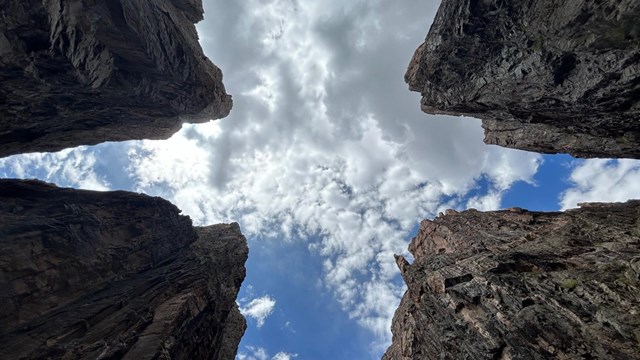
(515, 284)
(114, 275)
(78, 72)
(550, 76)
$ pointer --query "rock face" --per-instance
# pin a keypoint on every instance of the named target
(515, 284)
(550, 76)
(114, 275)
(78, 72)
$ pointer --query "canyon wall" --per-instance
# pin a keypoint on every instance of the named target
(114, 275)
(553, 77)
(78, 72)
(516, 284)
(550, 76)
(109, 275)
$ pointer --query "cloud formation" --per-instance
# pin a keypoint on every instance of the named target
(602, 180)
(252, 353)
(284, 356)
(259, 309)
(74, 167)
(258, 353)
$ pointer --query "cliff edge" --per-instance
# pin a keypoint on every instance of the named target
(79, 72)
(516, 284)
(114, 275)
(550, 76)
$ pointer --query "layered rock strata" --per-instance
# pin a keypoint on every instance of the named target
(114, 275)
(80, 72)
(516, 284)
(550, 76)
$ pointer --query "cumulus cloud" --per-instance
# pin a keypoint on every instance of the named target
(284, 356)
(324, 142)
(259, 309)
(252, 353)
(602, 180)
(258, 353)
(71, 167)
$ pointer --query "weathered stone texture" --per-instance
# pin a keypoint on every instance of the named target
(515, 284)
(79, 72)
(114, 275)
(551, 76)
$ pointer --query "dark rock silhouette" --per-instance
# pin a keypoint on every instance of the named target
(80, 73)
(114, 275)
(549, 76)
(109, 275)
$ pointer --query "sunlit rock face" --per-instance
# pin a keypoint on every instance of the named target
(516, 284)
(80, 72)
(114, 275)
(551, 76)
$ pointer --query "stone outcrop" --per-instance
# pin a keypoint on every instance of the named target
(78, 72)
(515, 284)
(550, 76)
(114, 275)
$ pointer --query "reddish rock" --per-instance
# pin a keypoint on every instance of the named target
(516, 284)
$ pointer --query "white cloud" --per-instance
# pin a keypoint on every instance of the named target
(254, 353)
(489, 201)
(258, 353)
(289, 327)
(70, 167)
(284, 356)
(259, 309)
(602, 180)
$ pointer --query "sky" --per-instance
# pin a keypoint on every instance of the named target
(328, 164)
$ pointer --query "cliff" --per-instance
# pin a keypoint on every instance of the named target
(550, 76)
(114, 275)
(515, 284)
(80, 72)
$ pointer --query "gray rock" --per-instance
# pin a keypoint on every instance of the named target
(515, 284)
(114, 275)
(80, 72)
(551, 76)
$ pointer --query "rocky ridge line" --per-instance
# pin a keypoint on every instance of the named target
(549, 76)
(114, 275)
(517, 284)
(79, 73)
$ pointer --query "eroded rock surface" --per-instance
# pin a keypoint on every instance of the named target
(550, 76)
(515, 284)
(78, 72)
(114, 275)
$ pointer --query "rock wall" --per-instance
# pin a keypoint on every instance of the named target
(78, 72)
(114, 275)
(516, 284)
(550, 76)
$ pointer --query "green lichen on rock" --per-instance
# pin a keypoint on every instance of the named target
(569, 284)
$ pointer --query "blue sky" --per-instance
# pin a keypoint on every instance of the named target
(328, 164)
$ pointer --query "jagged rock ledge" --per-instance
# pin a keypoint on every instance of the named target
(114, 275)
(83, 72)
(516, 284)
(550, 76)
